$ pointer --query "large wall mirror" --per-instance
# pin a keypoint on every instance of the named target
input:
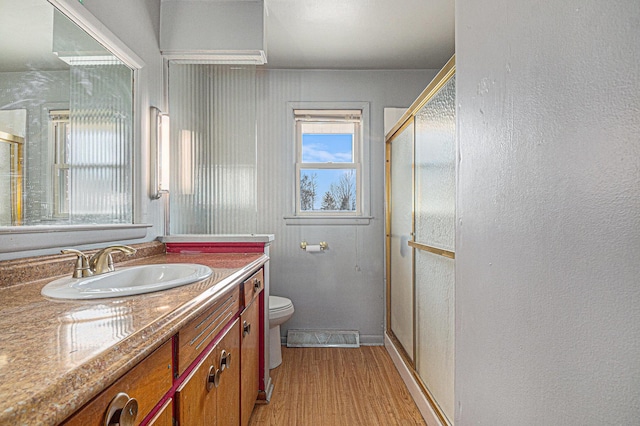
(66, 122)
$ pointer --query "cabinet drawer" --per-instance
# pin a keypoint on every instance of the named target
(196, 335)
(147, 382)
(210, 394)
(253, 286)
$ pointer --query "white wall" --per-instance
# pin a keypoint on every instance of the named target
(342, 288)
(548, 247)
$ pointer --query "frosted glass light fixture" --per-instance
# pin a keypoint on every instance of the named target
(159, 136)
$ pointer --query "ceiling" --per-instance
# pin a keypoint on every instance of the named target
(359, 34)
(26, 43)
(315, 34)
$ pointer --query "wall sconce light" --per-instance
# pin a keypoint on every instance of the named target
(159, 136)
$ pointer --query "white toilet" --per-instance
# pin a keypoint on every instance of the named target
(280, 310)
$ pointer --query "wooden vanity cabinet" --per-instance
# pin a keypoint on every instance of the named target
(217, 371)
(147, 382)
(210, 395)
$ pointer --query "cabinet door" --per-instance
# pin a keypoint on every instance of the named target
(228, 392)
(249, 361)
(196, 396)
(164, 417)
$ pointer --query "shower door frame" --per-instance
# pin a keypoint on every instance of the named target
(442, 78)
(16, 152)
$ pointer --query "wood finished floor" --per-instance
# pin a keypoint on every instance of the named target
(337, 386)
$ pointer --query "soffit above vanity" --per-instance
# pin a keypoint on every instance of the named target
(314, 34)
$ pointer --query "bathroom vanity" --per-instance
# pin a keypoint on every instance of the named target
(190, 353)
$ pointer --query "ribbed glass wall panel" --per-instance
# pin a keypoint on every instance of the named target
(401, 228)
(436, 170)
(435, 335)
(100, 143)
(213, 149)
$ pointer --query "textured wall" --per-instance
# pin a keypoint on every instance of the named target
(548, 241)
(342, 288)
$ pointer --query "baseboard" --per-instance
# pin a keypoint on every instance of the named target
(371, 340)
(420, 399)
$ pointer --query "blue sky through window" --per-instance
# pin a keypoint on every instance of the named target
(327, 148)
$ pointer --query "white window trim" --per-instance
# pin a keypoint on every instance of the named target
(363, 217)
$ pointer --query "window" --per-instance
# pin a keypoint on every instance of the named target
(329, 146)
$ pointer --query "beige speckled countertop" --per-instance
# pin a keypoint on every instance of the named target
(56, 355)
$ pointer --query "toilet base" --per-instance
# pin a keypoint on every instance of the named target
(275, 347)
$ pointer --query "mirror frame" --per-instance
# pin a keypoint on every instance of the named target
(17, 239)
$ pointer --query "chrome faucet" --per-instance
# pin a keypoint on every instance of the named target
(101, 262)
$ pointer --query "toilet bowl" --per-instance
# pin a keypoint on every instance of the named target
(280, 310)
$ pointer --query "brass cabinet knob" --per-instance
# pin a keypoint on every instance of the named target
(246, 329)
(256, 284)
(213, 379)
(122, 411)
(225, 360)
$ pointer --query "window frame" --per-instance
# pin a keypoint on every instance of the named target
(58, 137)
(361, 152)
(330, 117)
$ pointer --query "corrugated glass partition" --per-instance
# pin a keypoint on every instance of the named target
(100, 143)
(434, 240)
(213, 148)
(401, 188)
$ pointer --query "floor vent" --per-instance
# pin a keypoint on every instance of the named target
(323, 339)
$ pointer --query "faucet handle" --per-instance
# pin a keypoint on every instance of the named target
(81, 268)
(102, 261)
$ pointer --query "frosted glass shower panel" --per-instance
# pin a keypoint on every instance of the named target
(213, 149)
(435, 338)
(401, 228)
(435, 170)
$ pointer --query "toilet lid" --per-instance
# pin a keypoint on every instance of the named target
(276, 303)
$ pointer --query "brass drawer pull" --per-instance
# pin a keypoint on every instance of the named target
(256, 284)
(122, 411)
(246, 327)
(213, 379)
(225, 360)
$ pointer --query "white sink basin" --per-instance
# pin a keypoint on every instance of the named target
(127, 281)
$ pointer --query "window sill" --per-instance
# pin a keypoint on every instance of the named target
(327, 220)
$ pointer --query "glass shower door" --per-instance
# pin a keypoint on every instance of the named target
(401, 215)
(435, 245)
